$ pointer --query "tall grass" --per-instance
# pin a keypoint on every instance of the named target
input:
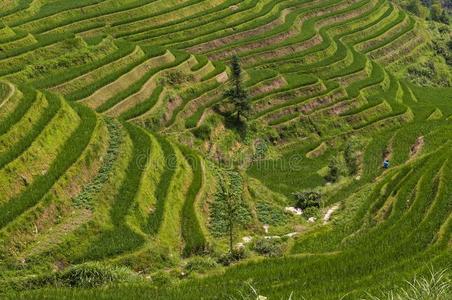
(135, 87)
(436, 286)
(23, 144)
(122, 238)
(72, 149)
(170, 161)
(25, 103)
(195, 242)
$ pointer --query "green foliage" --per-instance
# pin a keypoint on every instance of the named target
(195, 242)
(334, 170)
(222, 209)
(37, 190)
(309, 202)
(429, 73)
(237, 95)
(174, 78)
(260, 149)
(202, 132)
(269, 247)
(270, 214)
(438, 14)
(311, 211)
(87, 276)
(233, 256)
(435, 286)
(200, 264)
(307, 199)
(92, 275)
(352, 148)
(85, 197)
(414, 7)
(162, 278)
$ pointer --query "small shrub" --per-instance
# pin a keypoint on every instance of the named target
(202, 132)
(89, 275)
(269, 247)
(200, 264)
(351, 155)
(260, 149)
(269, 214)
(162, 278)
(174, 78)
(311, 212)
(93, 275)
(333, 170)
(307, 199)
(235, 255)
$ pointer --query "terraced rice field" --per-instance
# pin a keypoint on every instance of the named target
(114, 146)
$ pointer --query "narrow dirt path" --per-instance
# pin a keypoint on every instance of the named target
(10, 95)
(328, 214)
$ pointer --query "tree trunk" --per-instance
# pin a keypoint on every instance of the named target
(230, 235)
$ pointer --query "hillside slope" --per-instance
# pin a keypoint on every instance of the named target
(115, 143)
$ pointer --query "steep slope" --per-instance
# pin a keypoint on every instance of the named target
(115, 141)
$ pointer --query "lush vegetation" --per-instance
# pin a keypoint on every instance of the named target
(225, 149)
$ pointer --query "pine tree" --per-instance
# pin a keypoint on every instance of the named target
(237, 95)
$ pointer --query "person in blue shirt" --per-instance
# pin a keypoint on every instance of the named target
(386, 164)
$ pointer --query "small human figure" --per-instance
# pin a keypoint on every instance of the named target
(386, 164)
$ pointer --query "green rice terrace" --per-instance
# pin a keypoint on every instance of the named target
(225, 149)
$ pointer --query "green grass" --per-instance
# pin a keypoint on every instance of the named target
(390, 225)
(121, 238)
(195, 243)
(85, 197)
(75, 71)
(142, 107)
(29, 96)
(161, 193)
(291, 173)
(39, 187)
(16, 149)
(136, 86)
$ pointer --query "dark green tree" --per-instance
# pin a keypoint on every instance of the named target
(351, 150)
(413, 7)
(237, 95)
(333, 170)
(306, 199)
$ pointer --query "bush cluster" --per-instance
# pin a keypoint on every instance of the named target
(235, 255)
(200, 264)
(269, 247)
